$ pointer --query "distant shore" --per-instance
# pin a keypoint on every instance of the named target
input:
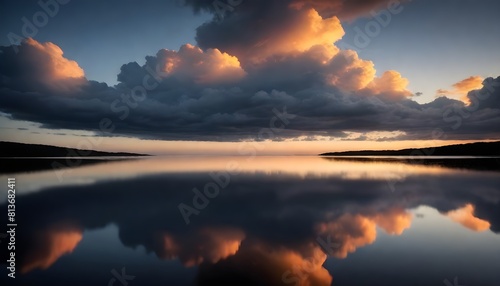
(14, 149)
(484, 149)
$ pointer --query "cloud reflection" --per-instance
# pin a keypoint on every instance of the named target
(465, 216)
(206, 245)
(50, 244)
(263, 224)
(353, 231)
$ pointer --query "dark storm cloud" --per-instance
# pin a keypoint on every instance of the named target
(267, 64)
(249, 24)
(345, 9)
(486, 97)
(219, 100)
(348, 9)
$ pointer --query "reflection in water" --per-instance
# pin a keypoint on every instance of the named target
(467, 163)
(49, 245)
(262, 228)
(465, 216)
(352, 231)
(209, 245)
(257, 263)
(300, 166)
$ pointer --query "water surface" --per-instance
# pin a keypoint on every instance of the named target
(257, 221)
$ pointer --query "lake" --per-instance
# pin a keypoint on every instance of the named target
(257, 221)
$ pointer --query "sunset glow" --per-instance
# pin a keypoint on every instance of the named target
(250, 142)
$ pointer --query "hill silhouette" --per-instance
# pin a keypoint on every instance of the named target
(13, 149)
(471, 149)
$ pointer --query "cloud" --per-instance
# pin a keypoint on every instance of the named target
(292, 33)
(391, 85)
(205, 245)
(468, 84)
(275, 266)
(487, 97)
(231, 86)
(39, 66)
(394, 221)
(277, 217)
(349, 72)
(462, 88)
(465, 216)
(192, 64)
(51, 244)
(353, 231)
(343, 9)
(346, 10)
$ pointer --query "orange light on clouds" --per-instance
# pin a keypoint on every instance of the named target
(58, 66)
(462, 88)
(203, 67)
(391, 85)
(353, 231)
(51, 244)
(349, 72)
(307, 30)
(394, 222)
(208, 244)
(465, 216)
(306, 269)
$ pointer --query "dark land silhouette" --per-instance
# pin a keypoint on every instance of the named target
(13, 149)
(19, 157)
(471, 149)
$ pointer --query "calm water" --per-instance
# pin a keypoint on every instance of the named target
(266, 221)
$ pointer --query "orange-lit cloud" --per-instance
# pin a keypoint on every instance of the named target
(394, 221)
(391, 85)
(348, 72)
(209, 245)
(462, 88)
(292, 266)
(301, 264)
(345, 70)
(57, 66)
(312, 36)
(268, 55)
(307, 30)
(45, 64)
(51, 244)
(265, 264)
(352, 231)
(203, 67)
(465, 216)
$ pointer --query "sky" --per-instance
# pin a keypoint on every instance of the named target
(239, 76)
